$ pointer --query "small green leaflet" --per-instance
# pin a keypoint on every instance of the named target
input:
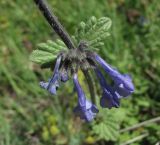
(108, 124)
(94, 32)
(108, 127)
(47, 52)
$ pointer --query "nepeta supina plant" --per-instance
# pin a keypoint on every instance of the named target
(79, 53)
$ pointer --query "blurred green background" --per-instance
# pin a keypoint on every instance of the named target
(30, 116)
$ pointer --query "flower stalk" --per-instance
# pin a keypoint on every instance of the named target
(54, 22)
(90, 86)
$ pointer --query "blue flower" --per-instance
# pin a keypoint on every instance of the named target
(85, 109)
(109, 97)
(51, 87)
(88, 113)
(53, 83)
(142, 21)
(64, 75)
(122, 83)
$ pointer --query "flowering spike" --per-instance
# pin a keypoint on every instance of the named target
(89, 37)
(85, 109)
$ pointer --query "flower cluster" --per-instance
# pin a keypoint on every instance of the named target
(68, 64)
(80, 55)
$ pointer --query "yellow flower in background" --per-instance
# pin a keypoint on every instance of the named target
(90, 140)
(45, 133)
(52, 119)
(54, 130)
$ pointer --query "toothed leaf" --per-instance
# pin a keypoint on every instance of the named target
(94, 32)
(108, 128)
(47, 52)
(42, 57)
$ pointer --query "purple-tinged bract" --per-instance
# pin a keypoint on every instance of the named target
(64, 76)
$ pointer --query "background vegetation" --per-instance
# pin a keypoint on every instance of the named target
(30, 116)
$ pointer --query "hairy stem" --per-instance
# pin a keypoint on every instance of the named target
(55, 24)
(90, 86)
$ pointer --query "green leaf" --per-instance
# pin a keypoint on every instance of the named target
(94, 32)
(41, 57)
(47, 52)
(107, 128)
